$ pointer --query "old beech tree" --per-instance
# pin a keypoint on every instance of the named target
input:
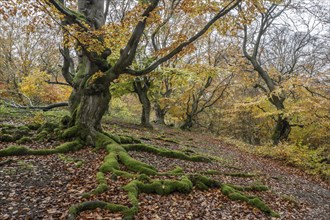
(90, 96)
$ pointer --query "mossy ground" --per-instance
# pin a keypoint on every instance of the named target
(144, 177)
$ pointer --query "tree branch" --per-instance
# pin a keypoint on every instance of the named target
(44, 108)
(179, 48)
(128, 53)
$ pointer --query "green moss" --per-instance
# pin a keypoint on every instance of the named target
(69, 147)
(201, 181)
(41, 135)
(34, 126)
(136, 165)
(102, 140)
(235, 194)
(48, 126)
(161, 187)
(164, 138)
(79, 163)
(226, 189)
(238, 196)
(65, 121)
(124, 174)
(6, 138)
(133, 192)
(22, 150)
(251, 188)
(176, 170)
(165, 152)
(21, 131)
(110, 163)
(144, 178)
(244, 175)
(201, 186)
(92, 205)
(75, 131)
(101, 188)
(258, 203)
(24, 140)
(14, 151)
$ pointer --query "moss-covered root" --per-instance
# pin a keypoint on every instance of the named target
(165, 152)
(216, 172)
(203, 182)
(102, 185)
(22, 150)
(235, 194)
(10, 133)
(91, 205)
(123, 139)
(135, 165)
(76, 131)
(161, 187)
(115, 153)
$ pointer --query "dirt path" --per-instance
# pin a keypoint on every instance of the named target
(308, 193)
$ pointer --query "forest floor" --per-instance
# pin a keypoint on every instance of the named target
(44, 187)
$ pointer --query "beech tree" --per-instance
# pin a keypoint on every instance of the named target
(276, 96)
(90, 96)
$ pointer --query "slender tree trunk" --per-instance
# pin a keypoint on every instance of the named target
(160, 114)
(188, 123)
(141, 87)
(146, 109)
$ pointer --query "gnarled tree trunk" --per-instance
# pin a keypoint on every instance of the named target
(282, 129)
(90, 96)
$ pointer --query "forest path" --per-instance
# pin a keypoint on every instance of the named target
(44, 187)
(307, 192)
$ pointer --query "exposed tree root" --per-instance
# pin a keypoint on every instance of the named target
(235, 194)
(144, 176)
(22, 150)
(215, 172)
(165, 152)
(91, 205)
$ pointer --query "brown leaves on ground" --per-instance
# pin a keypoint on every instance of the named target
(44, 187)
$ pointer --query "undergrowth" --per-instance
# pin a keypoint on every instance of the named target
(311, 161)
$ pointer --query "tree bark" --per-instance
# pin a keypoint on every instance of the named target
(188, 123)
(141, 87)
(90, 97)
(282, 130)
(160, 114)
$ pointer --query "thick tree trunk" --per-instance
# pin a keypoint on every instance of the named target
(90, 96)
(282, 130)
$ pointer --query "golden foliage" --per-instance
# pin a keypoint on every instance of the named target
(39, 91)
